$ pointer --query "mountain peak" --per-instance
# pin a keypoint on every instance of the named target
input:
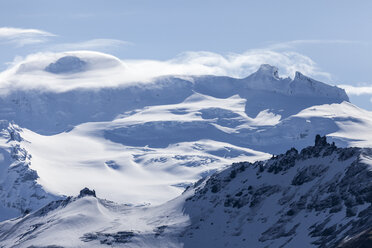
(87, 192)
(266, 78)
(304, 85)
(66, 64)
(320, 141)
(268, 71)
(300, 76)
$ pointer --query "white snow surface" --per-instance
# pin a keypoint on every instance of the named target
(246, 204)
(88, 124)
(150, 155)
(53, 71)
(69, 161)
(145, 142)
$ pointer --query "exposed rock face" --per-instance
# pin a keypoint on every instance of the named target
(320, 141)
(318, 197)
(109, 238)
(314, 198)
(87, 192)
(19, 191)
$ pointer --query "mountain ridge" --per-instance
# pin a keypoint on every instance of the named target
(314, 209)
(27, 104)
(172, 130)
(72, 122)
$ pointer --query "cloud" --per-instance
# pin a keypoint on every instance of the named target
(108, 71)
(94, 44)
(234, 65)
(21, 37)
(295, 43)
(357, 90)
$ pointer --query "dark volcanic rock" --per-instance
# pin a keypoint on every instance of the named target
(323, 191)
(87, 192)
(109, 238)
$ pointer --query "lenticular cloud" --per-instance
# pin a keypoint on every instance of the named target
(50, 71)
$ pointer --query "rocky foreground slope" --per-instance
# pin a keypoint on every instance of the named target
(318, 197)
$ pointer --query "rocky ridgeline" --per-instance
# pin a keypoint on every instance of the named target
(320, 196)
(19, 190)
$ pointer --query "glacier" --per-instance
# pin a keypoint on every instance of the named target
(77, 119)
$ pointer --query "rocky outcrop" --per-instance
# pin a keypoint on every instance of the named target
(318, 197)
(87, 192)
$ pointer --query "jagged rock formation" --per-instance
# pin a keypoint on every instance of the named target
(167, 133)
(19, 191)
(87, 192)
(320, 196)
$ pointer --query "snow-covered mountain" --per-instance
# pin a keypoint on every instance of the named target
(78, 119)
(19, 190)
(318, 197)
(50, 101)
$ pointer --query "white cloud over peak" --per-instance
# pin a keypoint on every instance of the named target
(108, 71)
(236, 65)
(21, 37)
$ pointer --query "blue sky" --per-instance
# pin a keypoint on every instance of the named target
(335, 35)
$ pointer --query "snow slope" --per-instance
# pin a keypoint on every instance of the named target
(88, 86)
(84, 124)
(19, 191)
(83, 157)
(313, 198)
(319, 197)
(151, 154)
